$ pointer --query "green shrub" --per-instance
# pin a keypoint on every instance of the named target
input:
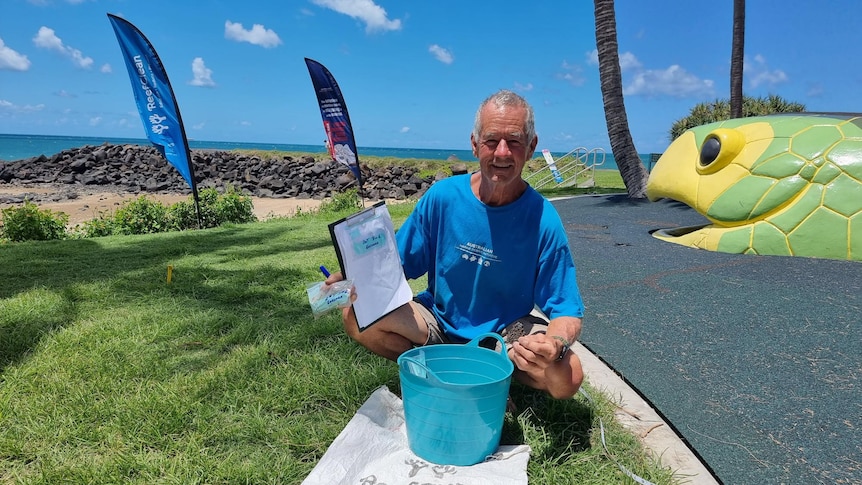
(207, 199)
(29, 223)
(98, 227)
(216, 209)
(234, 208)
(347, 200)
(182, 216)
(140, 216)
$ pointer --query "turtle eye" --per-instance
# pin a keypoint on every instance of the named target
(709, 151)
(719, 149)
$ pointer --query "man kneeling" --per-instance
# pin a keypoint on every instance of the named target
(494, 250)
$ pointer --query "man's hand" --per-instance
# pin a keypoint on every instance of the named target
(335, 278)
(533, 353)
(536, 358)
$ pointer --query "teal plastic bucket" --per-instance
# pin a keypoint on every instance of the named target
(455, 400)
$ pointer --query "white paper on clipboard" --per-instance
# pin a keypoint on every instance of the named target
(365, 245)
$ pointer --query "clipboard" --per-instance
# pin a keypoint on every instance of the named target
(365, 246)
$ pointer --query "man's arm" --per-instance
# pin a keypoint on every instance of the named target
(567, 327)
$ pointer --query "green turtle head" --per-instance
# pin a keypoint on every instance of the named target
(768, 169)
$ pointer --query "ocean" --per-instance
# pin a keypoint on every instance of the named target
(18, 147)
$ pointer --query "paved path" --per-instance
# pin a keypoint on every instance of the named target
(754, 360)
(639, 417)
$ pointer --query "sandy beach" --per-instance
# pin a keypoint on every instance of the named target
(89, 202)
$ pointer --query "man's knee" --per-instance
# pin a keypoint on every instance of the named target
(576, 379)
(348, 319)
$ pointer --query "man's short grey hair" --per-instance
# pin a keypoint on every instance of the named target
(504, 97)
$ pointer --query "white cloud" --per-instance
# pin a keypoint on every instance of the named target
(674, 81)
(258, 35)
(9, 106)
(441, 54)
(367, 11)
(813, 89)
(9, 59)
(405, 129)
(47, 39)
(65, 94)
(202, 74)
(106, 69)
(628, 61)
(523, 87)
(96, 121)
(757, 73)
(571, 73)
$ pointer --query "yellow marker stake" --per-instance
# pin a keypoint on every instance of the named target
(170, 273)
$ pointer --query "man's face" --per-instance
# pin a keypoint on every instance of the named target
(502, 147)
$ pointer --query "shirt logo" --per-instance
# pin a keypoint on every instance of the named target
(478, 254)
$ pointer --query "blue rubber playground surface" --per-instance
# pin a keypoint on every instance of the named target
(754, 360)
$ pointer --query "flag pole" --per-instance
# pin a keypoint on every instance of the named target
(193, 183)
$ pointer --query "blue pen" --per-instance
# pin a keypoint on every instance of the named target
(324, 271)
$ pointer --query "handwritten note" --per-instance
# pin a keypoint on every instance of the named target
(362, 243)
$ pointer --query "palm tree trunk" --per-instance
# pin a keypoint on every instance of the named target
(737, 57)
(631, 168)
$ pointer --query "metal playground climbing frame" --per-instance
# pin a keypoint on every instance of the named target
(574, 169)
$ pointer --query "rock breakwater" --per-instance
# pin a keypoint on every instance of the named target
(142, 169)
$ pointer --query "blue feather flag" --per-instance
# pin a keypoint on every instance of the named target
(336, 121)
(155, 99)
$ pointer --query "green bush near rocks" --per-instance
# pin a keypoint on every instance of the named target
(138, 216)
(216, 209)
(29, 223)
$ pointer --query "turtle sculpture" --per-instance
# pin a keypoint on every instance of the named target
(787, 184)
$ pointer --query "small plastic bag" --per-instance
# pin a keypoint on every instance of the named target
(324, 298)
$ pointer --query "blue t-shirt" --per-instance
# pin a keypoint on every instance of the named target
(487, 266)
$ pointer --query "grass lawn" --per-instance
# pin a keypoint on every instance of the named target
(110, 374)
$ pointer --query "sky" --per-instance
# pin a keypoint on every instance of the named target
(413, 73)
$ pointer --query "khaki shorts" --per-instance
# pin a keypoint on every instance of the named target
(527, 325)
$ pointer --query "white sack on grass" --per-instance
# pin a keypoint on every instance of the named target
(372, 449)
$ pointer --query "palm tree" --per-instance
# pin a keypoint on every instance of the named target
(737, 56)
(631, 168)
